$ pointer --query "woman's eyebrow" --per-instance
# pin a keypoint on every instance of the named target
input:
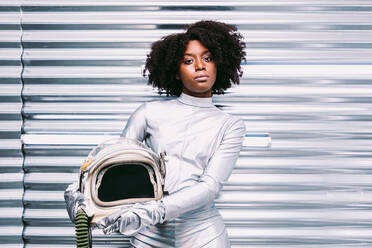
(190, 54)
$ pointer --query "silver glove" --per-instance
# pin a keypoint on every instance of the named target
(130, 221)
(75, 200)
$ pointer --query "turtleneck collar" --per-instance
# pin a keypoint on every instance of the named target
(195, 101)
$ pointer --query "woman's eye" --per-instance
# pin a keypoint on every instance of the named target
(208, 59)
(187, 61)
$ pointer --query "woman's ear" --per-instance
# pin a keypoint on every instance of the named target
(178, 76)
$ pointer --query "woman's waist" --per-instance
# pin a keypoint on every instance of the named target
(205, 214)
(202, 224)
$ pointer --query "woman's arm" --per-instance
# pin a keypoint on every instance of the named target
(136, 125)
(216, 173)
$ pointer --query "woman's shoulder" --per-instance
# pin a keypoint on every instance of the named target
(157, 105)
(229, 118)
(153, 104)
(154, 108)
(232, 122)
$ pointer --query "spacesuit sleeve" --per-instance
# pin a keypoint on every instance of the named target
(136, 125)
(217, 172)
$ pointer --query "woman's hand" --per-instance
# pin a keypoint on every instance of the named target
(130, 221)
(74, 200)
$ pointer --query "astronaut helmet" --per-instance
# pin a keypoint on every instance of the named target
(119, 173)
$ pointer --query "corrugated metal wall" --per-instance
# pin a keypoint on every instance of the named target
(11, 158)
(307, 82)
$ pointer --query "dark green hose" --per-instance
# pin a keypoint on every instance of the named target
(83, 239)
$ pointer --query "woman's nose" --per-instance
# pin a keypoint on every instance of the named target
(199, 65)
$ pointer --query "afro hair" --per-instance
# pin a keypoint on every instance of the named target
(223, 42)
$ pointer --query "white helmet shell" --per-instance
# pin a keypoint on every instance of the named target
(119, 173)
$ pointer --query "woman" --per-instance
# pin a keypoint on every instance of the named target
(202, 142)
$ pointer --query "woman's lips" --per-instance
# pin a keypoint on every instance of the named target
(201, 78)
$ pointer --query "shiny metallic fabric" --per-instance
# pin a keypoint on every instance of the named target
(202, 144)
(74, 200)
(129, 221)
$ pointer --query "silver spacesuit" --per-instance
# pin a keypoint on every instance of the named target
(202, 144)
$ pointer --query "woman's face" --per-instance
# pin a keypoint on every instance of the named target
(197, 70)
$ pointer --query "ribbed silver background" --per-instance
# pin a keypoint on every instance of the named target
(11, 158)
(307, 82)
